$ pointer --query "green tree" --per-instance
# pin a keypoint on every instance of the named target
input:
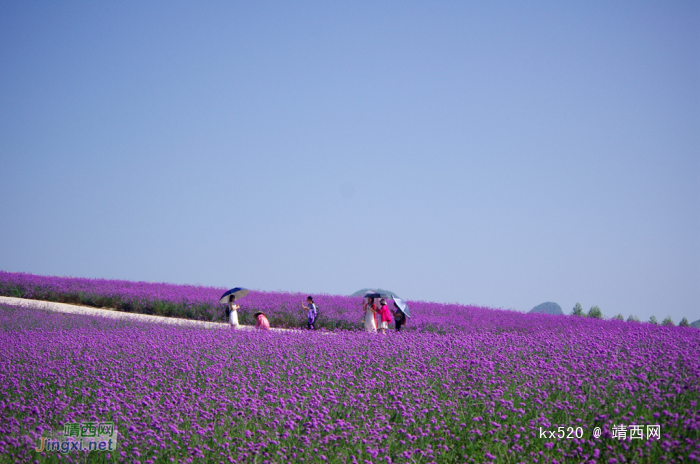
(653, 320)
(595, 312)
(619, 317)
(632, 318)
(683, 323)
(668, 321)
(578, 310)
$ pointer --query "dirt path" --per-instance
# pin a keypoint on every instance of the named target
(90, 311)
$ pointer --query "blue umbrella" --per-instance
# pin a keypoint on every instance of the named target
(238, 292)
(403, 307)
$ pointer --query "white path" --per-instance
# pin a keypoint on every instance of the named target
(105, 312)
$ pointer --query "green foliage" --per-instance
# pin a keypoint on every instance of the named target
(668, 321)
(653, 320)
(182, 309)
(632, 318)
(595, 313)
(578, 310)
(619, 317)
(683, 323)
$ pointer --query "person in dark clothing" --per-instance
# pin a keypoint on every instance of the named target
(399, 317)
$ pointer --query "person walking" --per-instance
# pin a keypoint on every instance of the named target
(312, 312)
(370, 311)
(399, 317)
(232, 312)
(385, 315)
(261, 321)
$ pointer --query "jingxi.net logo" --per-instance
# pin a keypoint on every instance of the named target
(83, 436)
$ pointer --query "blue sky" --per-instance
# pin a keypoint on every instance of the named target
(496, 153)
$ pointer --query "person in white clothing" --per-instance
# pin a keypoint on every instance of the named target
(232, 310)
(370, 311)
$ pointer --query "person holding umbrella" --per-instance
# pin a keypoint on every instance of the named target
(229, 299)
(370, 311)
(400, 313)
(232, 310)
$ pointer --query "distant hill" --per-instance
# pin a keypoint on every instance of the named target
(695, 324)
(378, 290)
(547, 308)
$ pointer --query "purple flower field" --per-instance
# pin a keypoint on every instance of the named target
(283, 309)
(482, 392)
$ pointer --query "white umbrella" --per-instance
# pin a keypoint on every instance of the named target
(403, 307)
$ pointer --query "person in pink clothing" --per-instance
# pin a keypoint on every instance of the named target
(385, 315)
(261, 321)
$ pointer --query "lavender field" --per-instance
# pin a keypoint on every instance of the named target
(202, 303)
(482, 391)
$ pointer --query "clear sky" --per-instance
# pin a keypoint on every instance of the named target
(496, 153)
